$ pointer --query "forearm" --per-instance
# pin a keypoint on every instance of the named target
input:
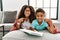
(18, 25)
(49, 29)
(32, 29)
(52, 30)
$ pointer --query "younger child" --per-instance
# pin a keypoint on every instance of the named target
(41, 23)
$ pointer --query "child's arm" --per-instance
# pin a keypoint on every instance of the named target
(33, 26)
(32, 29)
(19, 22)
(51, 28)
(14, 27)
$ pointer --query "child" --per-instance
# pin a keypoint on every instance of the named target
(41, 23)
(26, 15)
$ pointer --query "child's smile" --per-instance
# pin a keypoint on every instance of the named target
(39, 16)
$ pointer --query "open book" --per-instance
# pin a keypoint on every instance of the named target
(36, 33)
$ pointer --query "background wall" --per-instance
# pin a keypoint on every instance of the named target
(9, 5)
(20, 3)
(13, 5)
(59, 12)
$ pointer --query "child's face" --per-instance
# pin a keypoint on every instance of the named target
(40, 16)
(27, 12)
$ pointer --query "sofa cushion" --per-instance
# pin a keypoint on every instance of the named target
(9, 16)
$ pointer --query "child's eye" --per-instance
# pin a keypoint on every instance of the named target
(37, 15)
(41, 15)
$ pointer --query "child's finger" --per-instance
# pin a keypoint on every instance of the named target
(21, 19)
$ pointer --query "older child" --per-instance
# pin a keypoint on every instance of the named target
(26, 15)
(41, 23)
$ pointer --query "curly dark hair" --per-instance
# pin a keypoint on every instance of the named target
(40, 10)
(32, 11)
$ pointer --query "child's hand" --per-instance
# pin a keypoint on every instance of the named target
(20, 20)
(32, 29)
(52, 29)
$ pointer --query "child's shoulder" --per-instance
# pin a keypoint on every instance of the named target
(47, 20)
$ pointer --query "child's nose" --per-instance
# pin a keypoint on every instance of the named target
(40, 17)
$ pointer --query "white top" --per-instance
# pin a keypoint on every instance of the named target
(26, 24)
